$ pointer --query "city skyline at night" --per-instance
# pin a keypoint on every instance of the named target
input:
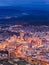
(24, 32)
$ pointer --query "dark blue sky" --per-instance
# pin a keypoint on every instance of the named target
(22, 2)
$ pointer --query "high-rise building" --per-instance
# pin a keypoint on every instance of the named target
(22, 35)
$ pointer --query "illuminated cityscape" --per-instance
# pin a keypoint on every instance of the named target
(24, 32)
(31, 45)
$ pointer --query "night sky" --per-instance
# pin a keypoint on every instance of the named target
(22, 2)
